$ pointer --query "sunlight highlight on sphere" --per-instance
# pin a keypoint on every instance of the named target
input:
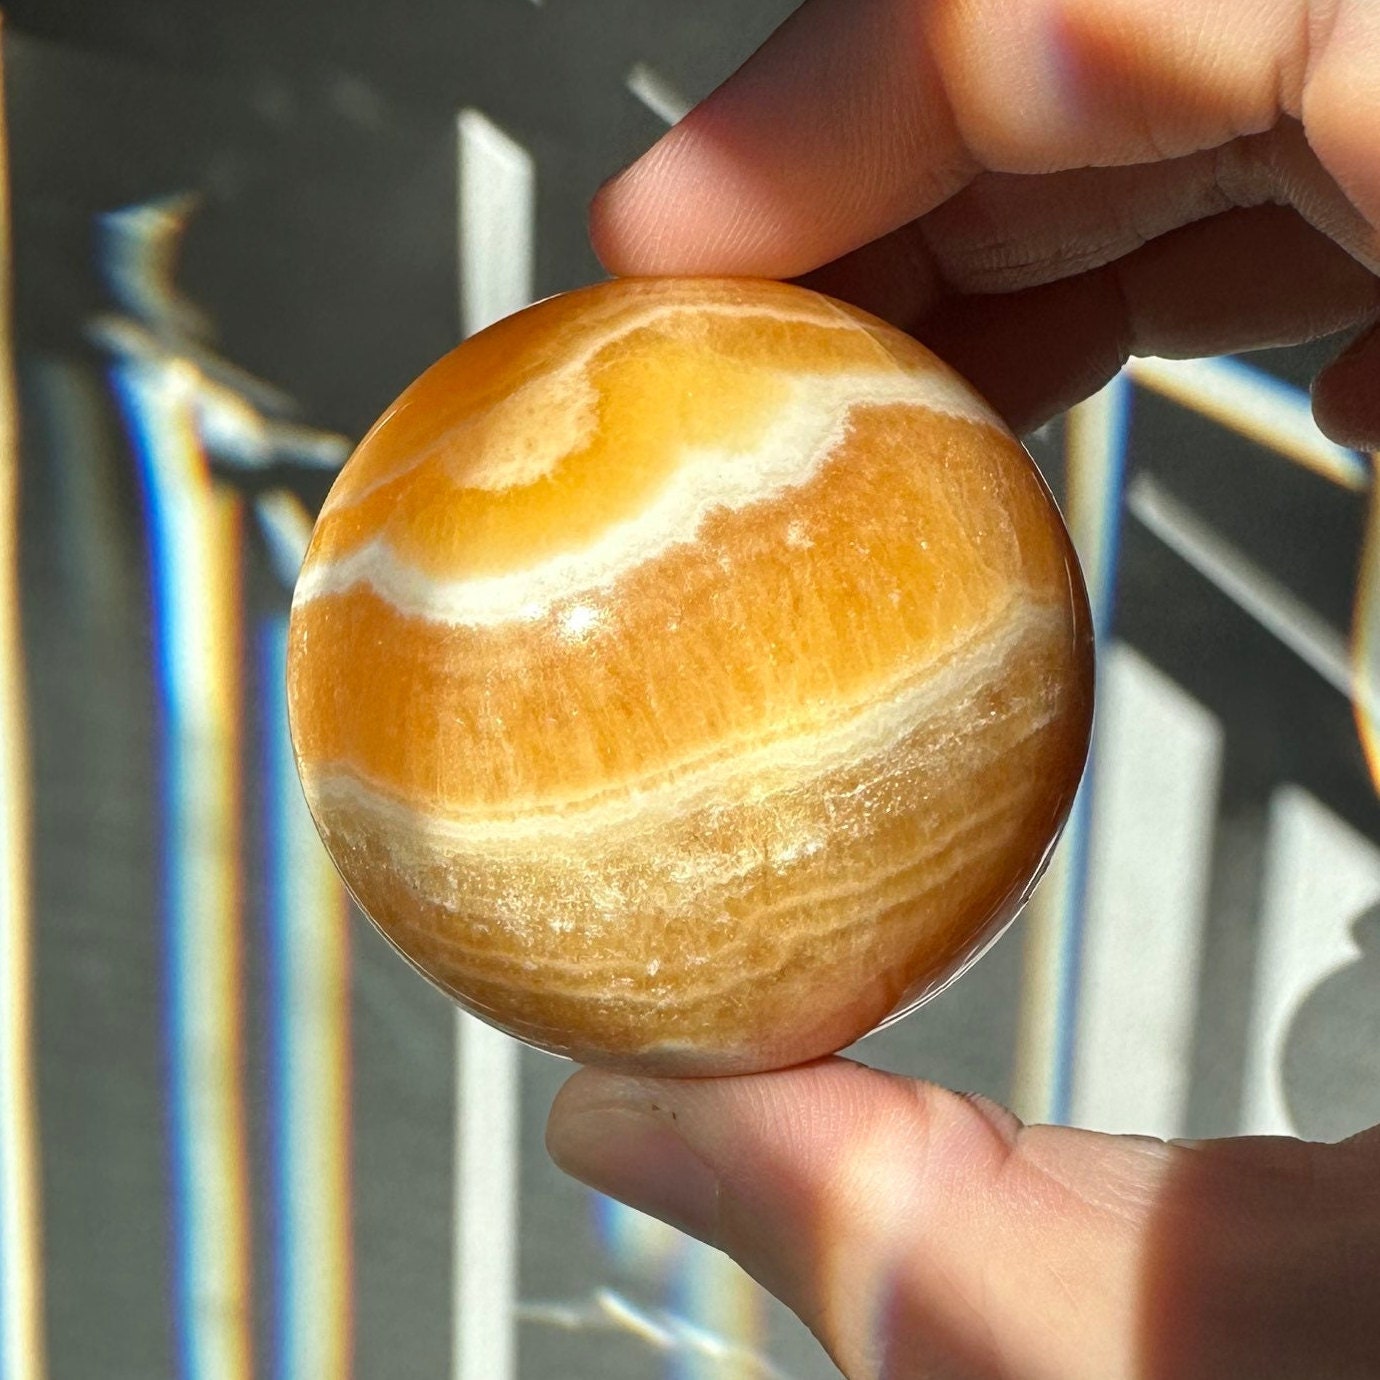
(687, 675)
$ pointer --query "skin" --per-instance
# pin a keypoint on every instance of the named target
(1037, 189)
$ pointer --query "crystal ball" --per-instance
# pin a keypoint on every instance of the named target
(689, 675)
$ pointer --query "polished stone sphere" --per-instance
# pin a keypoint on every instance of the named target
(687, 675)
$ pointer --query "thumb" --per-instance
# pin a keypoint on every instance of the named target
(921, 1233)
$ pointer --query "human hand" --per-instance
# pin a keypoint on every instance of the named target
(1037, 190)
(921, 1234)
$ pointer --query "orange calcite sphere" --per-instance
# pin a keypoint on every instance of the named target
(687, 675)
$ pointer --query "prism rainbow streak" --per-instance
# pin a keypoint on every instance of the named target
(22, 1346)
(729, 1310)
(308, 948)
(1272, 413)
(1365, 634)
(194, 542)
(1096, 453)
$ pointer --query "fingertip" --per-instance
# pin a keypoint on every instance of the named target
(828, 137)
(695, 204)
(574, 1096)
(1346, 394)
(658, 215)
(620, 216)
(584, 1098)
(583, 1086)
(629, 1147)
(601, 224)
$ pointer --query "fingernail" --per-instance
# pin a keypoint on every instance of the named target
(636, 1156)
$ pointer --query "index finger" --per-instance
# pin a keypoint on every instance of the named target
(858, 116)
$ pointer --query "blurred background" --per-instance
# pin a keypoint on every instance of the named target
(238, 1137)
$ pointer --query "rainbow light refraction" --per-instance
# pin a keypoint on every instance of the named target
(1096, 458)
(181, 403)
(22, 1343)
(261, 1257)
(194, 543)
(308, 946)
